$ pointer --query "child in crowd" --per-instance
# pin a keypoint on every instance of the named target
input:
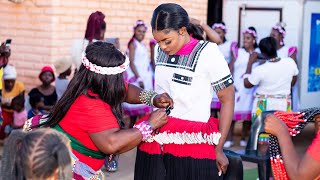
(19, 112)
(36, 101)
(40, 154)
(63, 68)
(11, 89)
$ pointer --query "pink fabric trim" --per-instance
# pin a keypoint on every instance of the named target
(137, 111)
(243, 115)
(187, 48)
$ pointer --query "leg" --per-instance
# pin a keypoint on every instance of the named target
(246, 125)
(229, 142)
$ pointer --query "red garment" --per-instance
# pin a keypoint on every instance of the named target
(85, 116)
(314, 148)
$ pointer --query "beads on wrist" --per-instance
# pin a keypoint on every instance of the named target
(145, 129)
(146, 97)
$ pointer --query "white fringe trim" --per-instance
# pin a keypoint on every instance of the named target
(185, 138)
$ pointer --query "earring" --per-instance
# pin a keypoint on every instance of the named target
(254, 41)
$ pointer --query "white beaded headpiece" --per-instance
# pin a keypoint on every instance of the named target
(252, 32)
(279, 29)
(219, 25)
(105, 70)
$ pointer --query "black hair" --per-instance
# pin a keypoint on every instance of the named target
(36, 155)
(110, 88)
(34, 98)
(254, 29)
(173, 16)
(268, 47)
(17, 102)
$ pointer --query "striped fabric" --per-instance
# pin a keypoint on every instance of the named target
(81, 171)
(188, 62)
(222, 83)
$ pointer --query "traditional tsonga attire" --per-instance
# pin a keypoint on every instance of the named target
(143, 66)
(85, 116)
(243, 96)
(273, 80)
(226, 49)
(184, 147)
(284, 52)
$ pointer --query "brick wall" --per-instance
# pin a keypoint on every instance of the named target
(43, 30)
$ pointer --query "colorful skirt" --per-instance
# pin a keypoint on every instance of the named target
(215, 103)
(270, 103)
(179, 150)
(82, 171)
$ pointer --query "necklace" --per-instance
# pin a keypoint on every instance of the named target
(276, 59)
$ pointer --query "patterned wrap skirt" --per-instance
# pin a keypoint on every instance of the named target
(179, 150)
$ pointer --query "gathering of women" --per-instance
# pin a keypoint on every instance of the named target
(159, 90)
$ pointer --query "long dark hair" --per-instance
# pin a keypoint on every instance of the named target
(109, 88)
(36, 155)
(173, 16)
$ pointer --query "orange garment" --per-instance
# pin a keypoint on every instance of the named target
(7, 97)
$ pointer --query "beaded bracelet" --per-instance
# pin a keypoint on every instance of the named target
(145, 129)
(146, 97)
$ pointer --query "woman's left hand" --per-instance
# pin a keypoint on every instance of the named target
(222, 162)
(162, 101)
(274, 125)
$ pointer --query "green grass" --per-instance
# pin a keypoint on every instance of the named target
(250, 174)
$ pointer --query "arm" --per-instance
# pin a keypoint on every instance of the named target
(160, 100)
(152, 56)
(252, 59)
(113, 141)
(231, 64)
(132, 66)
(294, 80)
(226, 98)
(296, 167)
(213, 35)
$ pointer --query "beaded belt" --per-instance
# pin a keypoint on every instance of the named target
(276, 96)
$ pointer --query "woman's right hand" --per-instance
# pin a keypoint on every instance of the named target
(158, 118)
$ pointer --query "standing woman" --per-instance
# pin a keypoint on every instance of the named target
(243, 96)
(227, 48)
(278, 32)
(140, 72)
(96, 28)
(273, 79)
(190, 70)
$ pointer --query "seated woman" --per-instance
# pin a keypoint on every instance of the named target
(305, 167)
(273, 79)
(46, 89)
(90, 112)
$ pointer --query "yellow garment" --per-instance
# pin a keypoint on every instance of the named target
(7, 97)
(1, 75)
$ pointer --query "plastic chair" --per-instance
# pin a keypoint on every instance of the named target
(235, 168)
(252, 152)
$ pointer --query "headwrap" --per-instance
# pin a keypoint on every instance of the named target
(94, 26)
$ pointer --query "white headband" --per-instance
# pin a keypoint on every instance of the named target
(252, 32)
(279, 28)
(219, 25)
(105, 70)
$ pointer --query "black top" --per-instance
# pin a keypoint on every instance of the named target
(49, 100)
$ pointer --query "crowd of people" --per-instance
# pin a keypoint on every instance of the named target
(181, 103)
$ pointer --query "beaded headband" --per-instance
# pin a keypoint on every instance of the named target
(252, 32)
(105, 70)
(219, 25)
(140, 23)
(279, 29)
